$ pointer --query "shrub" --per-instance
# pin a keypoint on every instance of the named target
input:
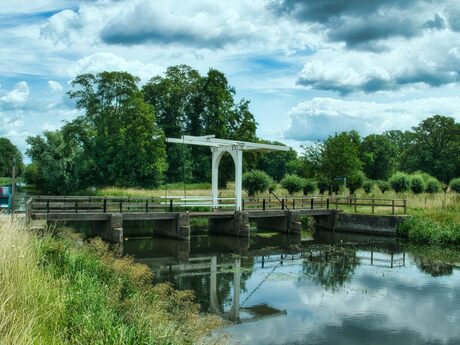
(368, 185)
(433, 185)
(400, 182)
(355, 181)
(417, 184)
(425, 230)
(292, 183)
(256, 182)
(309, 186)
(455, 185)
(322, 185)
(31, 174)
(383, 185)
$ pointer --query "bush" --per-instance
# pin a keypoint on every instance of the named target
(383, 185)
(455, 185)
(31, 174)
(368, 185)
(425, 230)
(400, 182)
(322, 186)
(309, 187)
(417, 184)
(355, 181)
(292, 183)
(433, 185)
(256, 182)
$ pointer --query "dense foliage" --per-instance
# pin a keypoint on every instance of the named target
(9, 152)
(292, 183)
(256, 182)
(400, 182)
(455, 185)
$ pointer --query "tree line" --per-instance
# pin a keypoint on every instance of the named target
(118, 140)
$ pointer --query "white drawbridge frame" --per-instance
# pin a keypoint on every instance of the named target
(235, 148)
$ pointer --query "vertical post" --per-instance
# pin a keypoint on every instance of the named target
(104, 207)
(393, 206)
(13, 186)
(170, 205)
(405, 205)
(263, 204)
(242, 204)
(76, 206)
(293, 204)
(356, 202)
(215, 176)
(238, 157)
(121, 206)
(327, 203)
(282, 204)
(147, 206)
(47, 206)
(311, 203)
(373, 205)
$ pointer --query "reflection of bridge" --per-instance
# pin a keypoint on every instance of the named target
(182, 263)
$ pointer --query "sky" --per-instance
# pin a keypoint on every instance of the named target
(310, 68)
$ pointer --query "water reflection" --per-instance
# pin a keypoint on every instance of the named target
(330, 289)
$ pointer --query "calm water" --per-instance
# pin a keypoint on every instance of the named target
(326, 289)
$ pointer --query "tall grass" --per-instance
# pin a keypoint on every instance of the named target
(61, 290)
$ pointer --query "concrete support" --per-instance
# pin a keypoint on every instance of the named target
(177, 227)
(288, 223)
(116, 227)
(234, 225)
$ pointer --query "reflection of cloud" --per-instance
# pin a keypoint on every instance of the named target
(321, 117)
(404, 303)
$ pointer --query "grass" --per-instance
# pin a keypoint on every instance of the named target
(58, 289)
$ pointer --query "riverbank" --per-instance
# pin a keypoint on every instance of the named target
(59, 289)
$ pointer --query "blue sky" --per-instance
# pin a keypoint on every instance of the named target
(310, 68)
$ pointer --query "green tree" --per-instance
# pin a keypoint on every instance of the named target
(383, 185)
(278, 164)
(455, 185)
(121, 143)
(417, 184)
(8, 152)
(292, 183)
(256, 181)
(400, 182)
(368, 185)
(436, 148)
(378, 155)
(433, 185)
(309, 187)
(355, 181)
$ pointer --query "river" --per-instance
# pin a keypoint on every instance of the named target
(315, 289)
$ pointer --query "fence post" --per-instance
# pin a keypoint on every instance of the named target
(327, 203)
(293, 204)
(405, 206)
(121, 206)
(104, 206)
(356, 202)
(311, 203)
(170, 205)
(282, 204)
(393, 206)
(147, 206)
(76, 206)
(263, 204)
(47, 206)
(373, 205)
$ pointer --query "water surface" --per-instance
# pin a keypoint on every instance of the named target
(325, 289)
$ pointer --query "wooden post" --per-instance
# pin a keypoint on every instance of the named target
(104, 207)
(356, 201)
(405, 206)
(393, 206)
(13, 185)
(76, 206)
(327, 203)
(170, 205)
(47, 206)
(147, 206)
(373, 205)
(282, 204)
(263, 204)
(121, 206)
(311, 203)
(242, 204)
(293, 204)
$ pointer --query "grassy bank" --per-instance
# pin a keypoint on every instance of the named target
(60, 290)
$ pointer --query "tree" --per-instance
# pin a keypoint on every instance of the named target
(368, 185)
(455, 185)
(378, 155)
(355, 181)
(278, 164)
(433, 185)
(309, 187)
(9, 152)
(292, 183)
(56, 162)
(400, 182)
(417, 184)
(118, 136)
(323, 185)
(436, 148)
(256, 182)
(383, 185)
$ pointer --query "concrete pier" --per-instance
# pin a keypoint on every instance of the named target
(285, 222)
(236, 224)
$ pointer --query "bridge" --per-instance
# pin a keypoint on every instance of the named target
(170, 216)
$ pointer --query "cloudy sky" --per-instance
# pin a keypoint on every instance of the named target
(309, 67)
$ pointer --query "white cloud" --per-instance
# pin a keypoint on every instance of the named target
(16, 97)
(55, 86)
(320, 117)
(105, 61)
